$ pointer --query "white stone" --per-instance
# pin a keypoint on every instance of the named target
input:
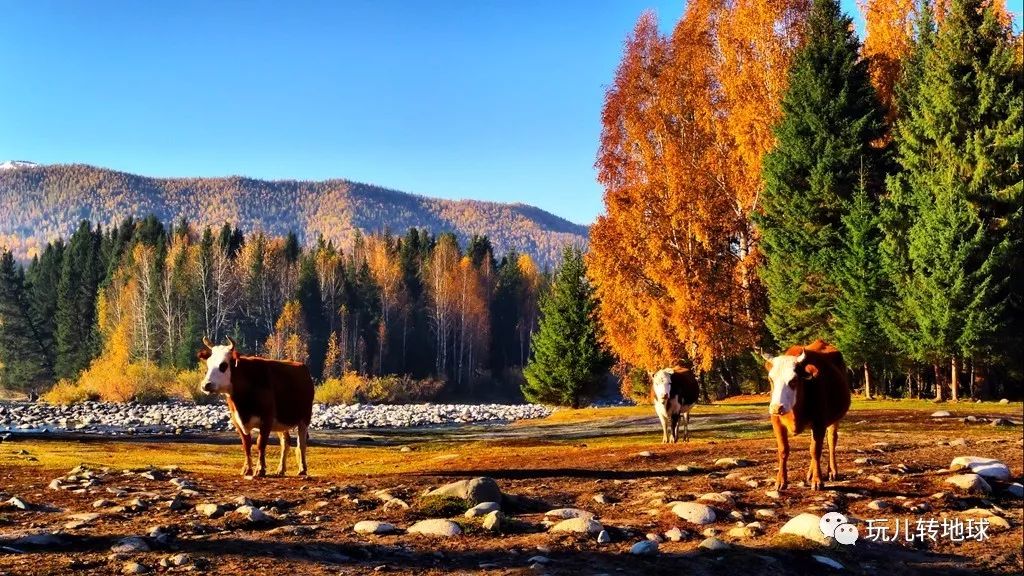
(253, 514)
(712, 543)
(805, 525)
(435, 527)
(716, 499)
(374, 527)
(1016, 490)
(482, 509)
(578, 526)
(941, 414)
(130, 545)
(694, 512)
(970, 483)
(990, 468)
(210, 510)
(827, 561)
(604, 537)
(644, 548)
(566, 513)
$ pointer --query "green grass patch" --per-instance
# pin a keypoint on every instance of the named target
(442, 506)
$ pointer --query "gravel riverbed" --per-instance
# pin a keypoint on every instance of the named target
(180, 417)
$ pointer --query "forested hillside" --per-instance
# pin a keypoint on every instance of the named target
(42, 203)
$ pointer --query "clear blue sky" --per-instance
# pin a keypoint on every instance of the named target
(470, 99)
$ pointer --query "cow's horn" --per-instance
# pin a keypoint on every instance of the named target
(231, 343)
(764, 355)
(207, 343)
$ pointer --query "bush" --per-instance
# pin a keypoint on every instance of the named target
(352, 388)
(636, 386)
(442, 506)
(186, 387)
(68, 392)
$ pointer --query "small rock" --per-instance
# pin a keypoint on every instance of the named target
(134, 568)
(742, 532)
(374, 527)
(644, 548)
(102, 503)
(130, 545)
(475, 490)
(674, 534)
(494, 521)
(941, 414)
(998, 524)
(253, 514)
(604, 499)
(1016, 490)
(719, 500)
(713, 543)
(578, 526)
(18, 503)
(566, 513)
(1002, 422)
(805, 525)
(1004, 401)
(958, 442)
(210, 510)
(645, 454)
(970, 483)
(482, 509)
(604, 537)
(773, 494)
(538, 559)
(694, 513)
(178, 560)
(732, 462)
(878, 505)
(827, 561)
(435, 527)
(765, 513)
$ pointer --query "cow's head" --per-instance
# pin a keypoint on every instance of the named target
(219, 362)
(785, 371)
(661, 386)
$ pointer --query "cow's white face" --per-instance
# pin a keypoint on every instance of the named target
(661, 385)
(783, 374)
(218, 371)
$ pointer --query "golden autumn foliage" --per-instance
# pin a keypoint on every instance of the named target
(685, 125)
(889, 33)
(290, 339)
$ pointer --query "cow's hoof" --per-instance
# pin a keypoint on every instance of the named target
(261, 473)
(302, 473)
(279, 472)
(817, 485)
(833, 476)
(246, 471)
(781, 485)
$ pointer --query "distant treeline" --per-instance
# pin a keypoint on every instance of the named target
(417, 304)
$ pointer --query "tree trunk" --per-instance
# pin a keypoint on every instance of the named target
(954, 379)
(937, 369)
(867, 382)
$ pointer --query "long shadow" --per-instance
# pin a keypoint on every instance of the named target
(536, 473)
(424, 554)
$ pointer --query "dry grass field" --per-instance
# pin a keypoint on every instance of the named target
(893, 455)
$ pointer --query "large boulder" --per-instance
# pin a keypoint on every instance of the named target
(482, 509)
(694, 513)
(807, 526)
(990, 468)
(474, 490)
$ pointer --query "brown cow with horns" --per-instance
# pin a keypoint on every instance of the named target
(262, 394)
(810, 387)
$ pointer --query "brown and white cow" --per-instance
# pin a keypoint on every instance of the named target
(810, 388)
(673, 392)
(264, 395)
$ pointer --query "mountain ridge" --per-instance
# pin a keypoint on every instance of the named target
(44, 202)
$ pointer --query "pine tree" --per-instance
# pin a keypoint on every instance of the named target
(568, 362)
(831, 117)
(960, 189)
(76, 339)
(860, 282)
(24, 359)
(42, 278)
(308, 296)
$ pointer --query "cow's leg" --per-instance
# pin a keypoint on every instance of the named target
(814, 469)
(686, 426)
(675, 427)
(832, 435)
(664, 427)
(247, 448)
(283, 435)
(261, 449)
(303, 433)
(782, 442)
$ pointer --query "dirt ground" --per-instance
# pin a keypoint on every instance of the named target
(542, 465)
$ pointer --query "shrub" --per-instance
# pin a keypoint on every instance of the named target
(635, 385)
(352, 388)
(442, 506)
(186, 387)
(67, 392)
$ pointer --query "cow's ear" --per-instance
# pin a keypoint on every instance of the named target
(203, 354)
(768, 365)
(812, 371)
(235, 356)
